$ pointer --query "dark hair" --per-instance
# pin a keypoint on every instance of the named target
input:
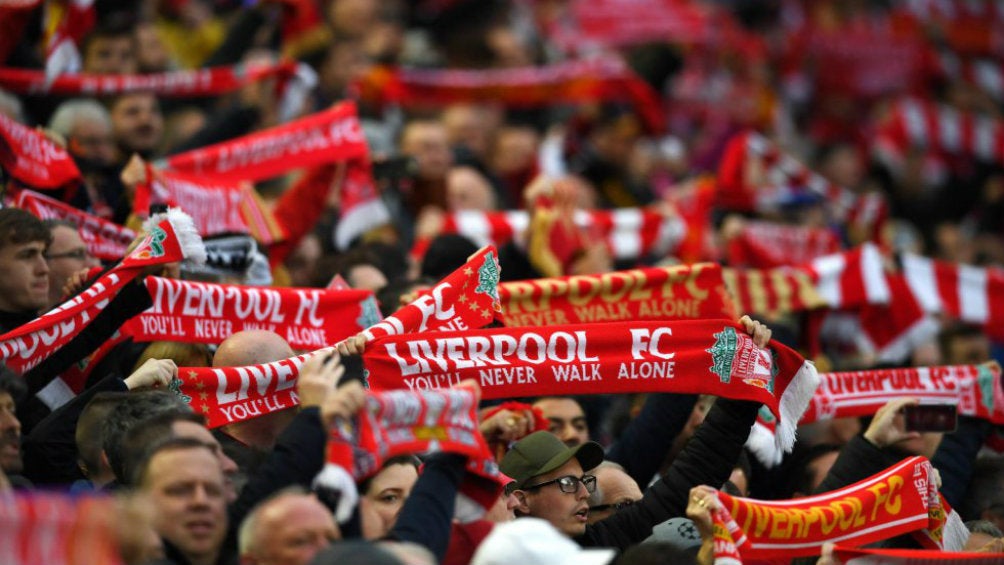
(109, 27)
(12, 385)
(446, 253)
(89, 427)
(18, 226)
(137, 440)
(364, 485)
(169, 444)
(125, 415)
(801, 476)
(954, 331)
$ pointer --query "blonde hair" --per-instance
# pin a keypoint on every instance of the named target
(179, 352)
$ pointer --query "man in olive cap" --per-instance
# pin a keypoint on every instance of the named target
(550, 482)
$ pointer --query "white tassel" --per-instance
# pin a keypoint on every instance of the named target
(337, 478)
(794, 403)
(188, 236)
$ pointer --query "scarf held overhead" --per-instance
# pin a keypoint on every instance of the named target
(404, 422)
(104, 240)
(695, 356)
(216, 206)
(975, 389)
(172, 238)
(658, 293)
(329, 136)
(307, 318)
(32, 159)
(899, 500)
(466, 298)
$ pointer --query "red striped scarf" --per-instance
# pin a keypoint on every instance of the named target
(940, 129)
(972, 294)
(58, 528)
(763, 245)
(859, 556)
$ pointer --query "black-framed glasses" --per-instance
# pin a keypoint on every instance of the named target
(569, 484)
(616, 507)
(78, 254)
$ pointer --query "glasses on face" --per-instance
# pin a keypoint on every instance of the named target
(616, 507)
(569, 484)
(78, 254)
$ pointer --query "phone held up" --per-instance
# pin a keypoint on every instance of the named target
(939, 417)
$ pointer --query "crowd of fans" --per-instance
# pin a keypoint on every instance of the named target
(592, 479)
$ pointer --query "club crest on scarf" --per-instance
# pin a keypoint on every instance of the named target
(153, 246)
(488, 279)
(734, 354)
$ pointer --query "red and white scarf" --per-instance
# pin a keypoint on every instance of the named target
(105, 240)
(972, 294)
(407, 422)
(466, 298)
(170, 237)
(941, 129)
(227, 395)
(360, 206)
(608, 79)
(307, 318)
(859, 556)
(764, 245)
(329, 136)
(754, 174)
(32, 159)
(173, 84)
(772, 292)
(658, 293)
(694, 356)
(65, 23)
(216, 206)
(629, 233)
(975, 389)
(57, 528)
(901, 499)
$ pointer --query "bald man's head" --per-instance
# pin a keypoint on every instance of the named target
(255, 347)
(251, 347)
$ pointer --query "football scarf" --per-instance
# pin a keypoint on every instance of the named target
(607, 79)
(408, 422)
(975, 389)
(173, 84)
(307, 318)
(940, 129)
(105, 240)
(227, 395)
(466, 298)
(658, 293)
(32, 159)
(216, 206)
(902, 499)
(690, 357)
(764, 245)
(58, 528)
(170, 238)
(325, 137)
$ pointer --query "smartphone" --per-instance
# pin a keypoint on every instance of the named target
(931, 418)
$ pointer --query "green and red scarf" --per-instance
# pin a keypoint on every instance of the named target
(696, 356)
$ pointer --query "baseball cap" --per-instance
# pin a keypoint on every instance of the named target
(542, 452)
(532, 541)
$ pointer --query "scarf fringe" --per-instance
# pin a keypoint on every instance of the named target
(794, 402)
(337, 478)
(762, 443)
(955, 533)
(184, 227)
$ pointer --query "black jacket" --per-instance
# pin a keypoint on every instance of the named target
(643, 446)
(707, 459)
